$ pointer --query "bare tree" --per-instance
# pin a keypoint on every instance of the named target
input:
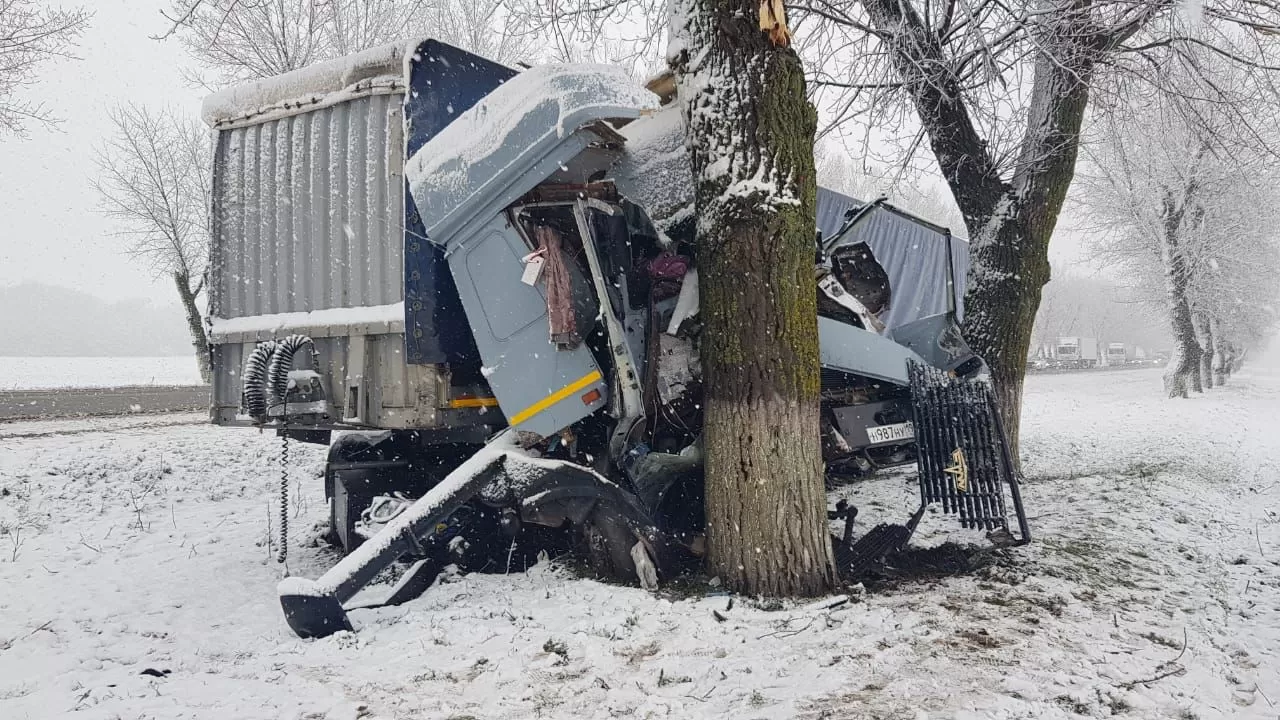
(1186, 206)
(1101, 307)
(629, 33)
(488, 28)
(29, 35)
(750, 139)
(352, 25)
(865, 181)
(247, 39)
(155, 175)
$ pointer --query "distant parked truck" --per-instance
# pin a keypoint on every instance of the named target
(1117, 353)
(1078, 352)
(1125, 354)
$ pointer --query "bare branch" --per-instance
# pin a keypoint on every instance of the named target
(240, 40)
(154, 180)
(29, 35)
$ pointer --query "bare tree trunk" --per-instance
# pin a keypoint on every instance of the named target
(751, 135)
(1204, 336)
(1221, 363)
(1000, 314)
(1235, 358)
(195, 324)
(1184, 365)
(1192, 347)
(1186, 351)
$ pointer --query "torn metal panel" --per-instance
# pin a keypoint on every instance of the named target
(853, 350)
(921, 259)
(938, 340)
(540, 388)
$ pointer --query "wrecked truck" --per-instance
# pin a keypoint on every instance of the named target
(476, 285)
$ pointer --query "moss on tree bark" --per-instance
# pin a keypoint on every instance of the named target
(751, 133)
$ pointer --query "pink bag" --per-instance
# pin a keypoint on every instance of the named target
(668, 266)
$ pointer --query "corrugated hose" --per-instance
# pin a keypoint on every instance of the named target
(278, 392)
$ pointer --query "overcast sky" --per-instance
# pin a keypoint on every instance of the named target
(50, 229)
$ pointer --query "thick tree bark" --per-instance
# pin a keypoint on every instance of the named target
(1184, 367)
(1194, 353)
(195, 323)
(751, 141)
(1001, 311)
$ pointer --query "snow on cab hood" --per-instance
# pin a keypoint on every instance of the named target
(515, 124)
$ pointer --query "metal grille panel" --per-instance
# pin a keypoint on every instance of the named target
(961, 456)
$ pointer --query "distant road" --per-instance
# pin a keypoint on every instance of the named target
(1103, 368)
(80, 402)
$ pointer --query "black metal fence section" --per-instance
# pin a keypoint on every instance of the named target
(962, 456)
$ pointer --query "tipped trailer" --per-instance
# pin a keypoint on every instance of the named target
(476, 285)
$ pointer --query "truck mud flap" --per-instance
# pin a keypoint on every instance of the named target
(963, 454)
(622, 541)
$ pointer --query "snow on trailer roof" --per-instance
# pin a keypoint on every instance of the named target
(322, 83)
(500, 138)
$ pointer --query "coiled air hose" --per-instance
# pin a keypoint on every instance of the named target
(254, 396)
(277, 391)
(282, 363)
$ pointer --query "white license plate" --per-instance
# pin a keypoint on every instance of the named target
(890, 433)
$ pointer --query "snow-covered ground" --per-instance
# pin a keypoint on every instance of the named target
(1152, 591)
(40, 373)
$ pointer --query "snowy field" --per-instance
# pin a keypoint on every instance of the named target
(1152, 591)
(46, 373)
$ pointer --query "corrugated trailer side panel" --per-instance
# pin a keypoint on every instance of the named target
(307, 218)
(308, 211)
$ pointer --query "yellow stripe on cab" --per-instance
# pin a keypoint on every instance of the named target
(473, 402)
(555, 397)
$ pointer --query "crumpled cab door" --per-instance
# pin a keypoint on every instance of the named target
(540, 388)
(548, 124)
